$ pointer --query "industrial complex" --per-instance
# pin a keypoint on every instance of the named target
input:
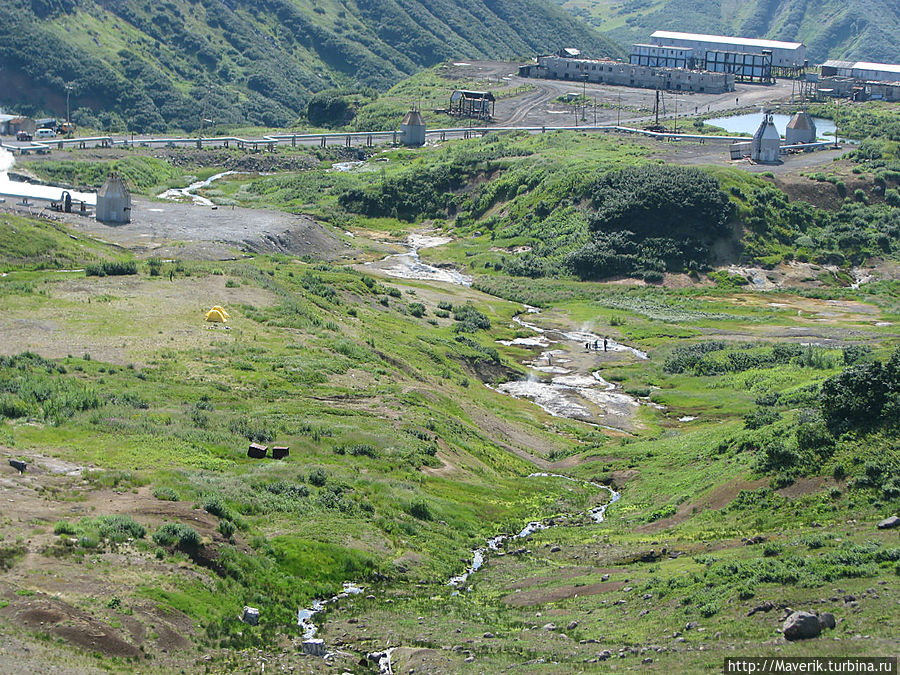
(696, 62)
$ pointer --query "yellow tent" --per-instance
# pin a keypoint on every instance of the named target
(217, 315)
(221, 311)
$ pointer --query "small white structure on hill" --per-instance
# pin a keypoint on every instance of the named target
(114, 201)
(766, 144)
(412, 130)
(801, 129)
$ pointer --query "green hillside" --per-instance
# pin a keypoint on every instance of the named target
(853, 29)
(149, 66)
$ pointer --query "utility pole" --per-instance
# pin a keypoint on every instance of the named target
(676, 113)
(619, 110)
(584, 79)
(68, 91)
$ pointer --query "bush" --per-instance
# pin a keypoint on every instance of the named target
(417, 309)
(111, 268)
(470, 319)
(216, 507)
(318, 477)
(118, 528)
(420, 510)
(226, 528)
(166, 494)
(761, 417)
(63, 527)
(176, 534)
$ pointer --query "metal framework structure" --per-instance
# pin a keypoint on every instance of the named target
(472, 104)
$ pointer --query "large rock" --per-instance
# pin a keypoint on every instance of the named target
(802, 626)
(250, 615)
(889, 523)
(826, 620)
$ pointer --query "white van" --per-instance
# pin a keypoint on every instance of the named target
(45, 133)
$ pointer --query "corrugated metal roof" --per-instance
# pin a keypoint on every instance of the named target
(886, 67)
(834, 63)
(746, 42)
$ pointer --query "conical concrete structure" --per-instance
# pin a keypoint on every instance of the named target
(801, 129)
(412, 130)
(114, 201)
(766, 144)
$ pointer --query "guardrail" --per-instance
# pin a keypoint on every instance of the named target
(269, 142)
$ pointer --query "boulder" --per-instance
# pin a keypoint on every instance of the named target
(250, 615)
(802, 626)
(889, 523)
(315, 647)
(572, 625)
(20, 466)
(826, 620)
(549, 626)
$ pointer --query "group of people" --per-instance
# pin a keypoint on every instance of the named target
(596, 345)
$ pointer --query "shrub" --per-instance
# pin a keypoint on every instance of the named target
(420, 510)
(111, 268)
(118, 528)
(63, 527)
(216, 507)
(176, 534)
(417, 309)
(166, 494)
(761, 417)
(226, 528)
(318, 477)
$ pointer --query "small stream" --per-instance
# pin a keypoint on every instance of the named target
(479, 557)
(187, 193)
(569, 393)
(408, 265)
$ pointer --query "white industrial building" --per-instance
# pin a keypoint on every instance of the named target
(862, 70)
(628, 75)
(787, 55)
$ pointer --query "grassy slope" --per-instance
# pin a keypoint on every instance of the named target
(155, 65)
(322, 360)
(860, 29)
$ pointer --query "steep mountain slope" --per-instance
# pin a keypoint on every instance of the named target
(857, 29)
(150, 65)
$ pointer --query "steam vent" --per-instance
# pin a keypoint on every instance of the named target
(114, 201)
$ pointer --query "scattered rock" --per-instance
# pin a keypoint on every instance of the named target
(469, 659)
(489, 636)
(752, 541)
(605, 577)
(801, 626)
(691, 625)
(765, 607)
(826, 620)
(555, 549)
(886, 524)
(548, 626)
(20, 466)
(647, 660)
(572, 625)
